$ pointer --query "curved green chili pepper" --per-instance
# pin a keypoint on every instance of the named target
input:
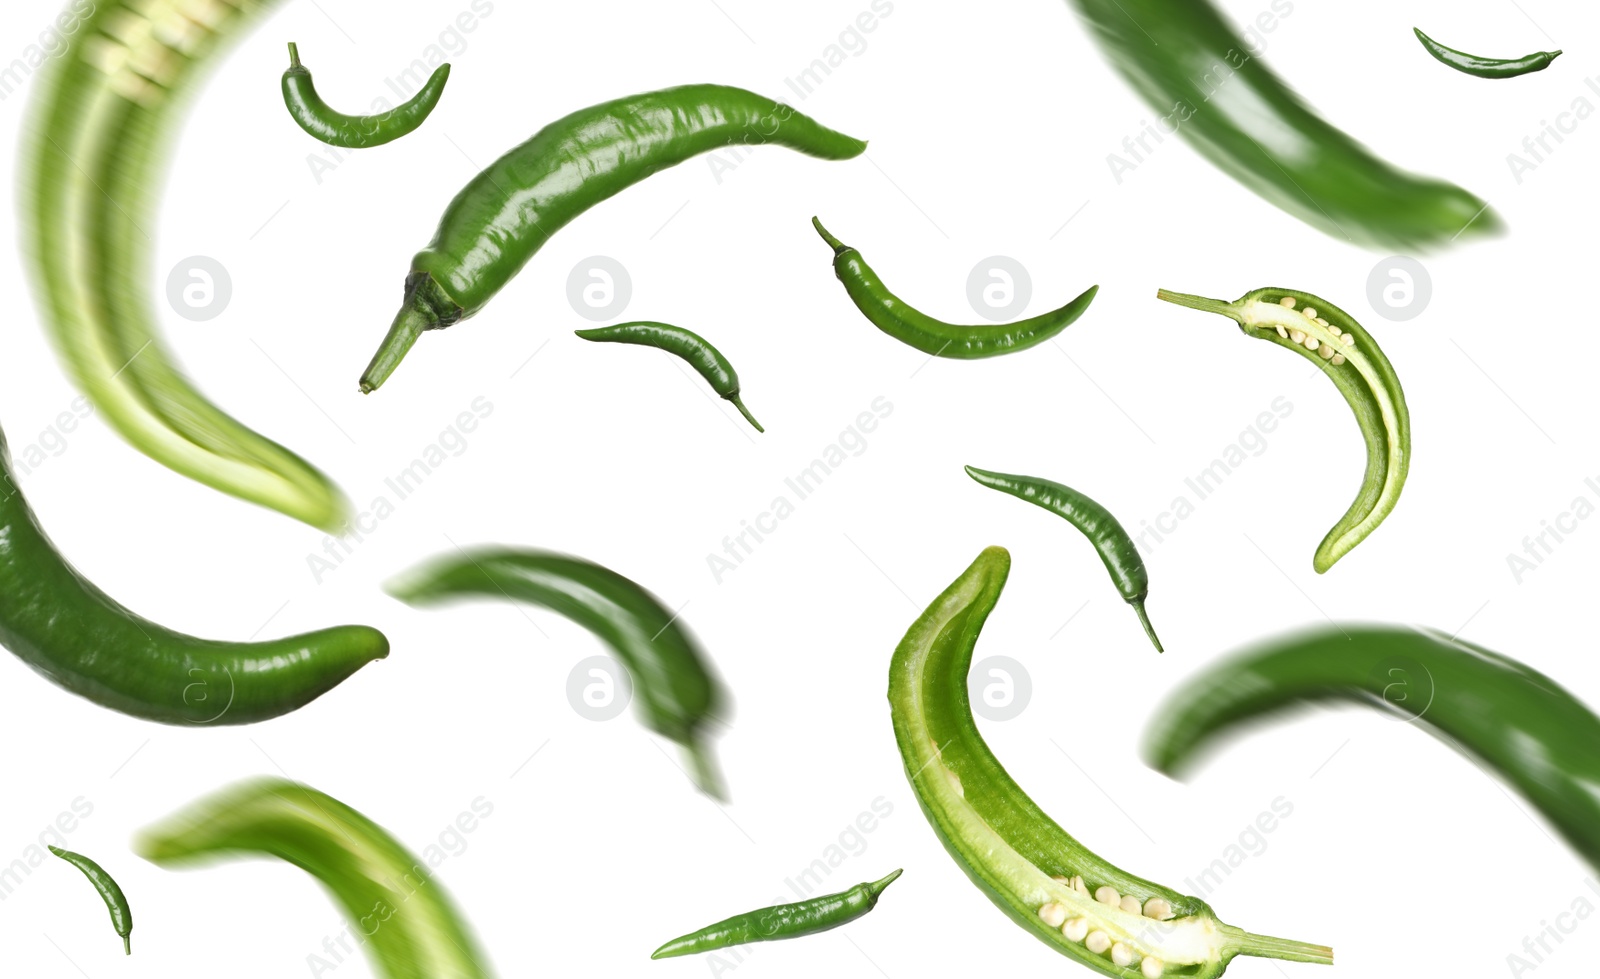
(116, 901)
(80, 639)
(409, 924)
(1116, 549)
(894, 316)
(780, 921)
(318, 119)
(677, 693)
(94, 163)
(1046, 881)
(1214, 90)
(1471, 64)
(707, 360)
(1331, 338)
(1514, 720)
(506, 213)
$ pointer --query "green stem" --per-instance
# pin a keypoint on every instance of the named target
(413, 319)
(294, 55)
(1242, 942)
(839, 247)
(745, 412)
(1144, 620)
(1199, 302)
(127, 945)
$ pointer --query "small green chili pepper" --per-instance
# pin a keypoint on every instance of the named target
(409, 925)
(780, 921)
(318, 119)
(80, 639)
(894, 316)
(1512, 719)
(676, 691)
(1046, 881)
(1471, 64)
(1331, 338)
(707, 360)
(116, 901)
(1116, 549)
(506, 213)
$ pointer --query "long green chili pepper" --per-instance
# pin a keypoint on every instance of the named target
(1116, 549)
(677, 692)
(1213, 89)
(507, 212)
(894, 316)
(94, 162)
(80, 639)
(707, 360)
(106, 886)
(1514, 720)
(1331, 338)
(1046, 881)
(780, 921)
(318, 119)
(1471, 64)
(410, 926)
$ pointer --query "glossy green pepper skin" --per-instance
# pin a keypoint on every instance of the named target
(506, 213)
(409, 925)
(335, 128)
(110, 892)
(914, 328)
(673, 684)
(80, 639)
(1512, 719)
(1347, 354)
(1471, 64)
(1188, 64)
(1026, 864)
(781, 921)
(706, 360)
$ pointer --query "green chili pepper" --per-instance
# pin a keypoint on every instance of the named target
(1212, 88)
(780, 921)
(894, 316)
(355, 132)
(507, 212)
(409, 925)
(94, 162)
(1471, 64)
(77, 637)
(1046, 881)
(1510, 718)
(707, 360)
(676, 691)
(116, 901)
(1116, 549)
(1331, 338)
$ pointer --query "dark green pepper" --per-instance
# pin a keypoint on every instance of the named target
(707, 360)
(781, 921)
(319, 119)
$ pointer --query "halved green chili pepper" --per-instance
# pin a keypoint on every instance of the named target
(1046, 881)
(677, 693)
(506, 213)
(781, 921)
(409, 925)
(707, 360)
(318, 119)
(1471, 64)
(100, 127)
(894, 316)
(1512, 719)
(116, 901)
(1331, 338)
(1213, 89)
(80, 639)
(1116, 549)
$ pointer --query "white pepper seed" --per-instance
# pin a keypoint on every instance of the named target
(1098, 942)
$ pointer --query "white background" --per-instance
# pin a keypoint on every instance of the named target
(990, 125)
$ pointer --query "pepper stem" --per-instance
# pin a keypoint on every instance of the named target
(703, 771)
(1144, 620)
(294, 55)
(745, 412)
(127, 946)
(839, 247)
(1199, 302)
(413, 318)
(1242, 942)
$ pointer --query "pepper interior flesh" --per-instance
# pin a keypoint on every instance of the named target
(94, 162)
(106, 886)
(1471, 64)
(410, 926)
(1348, 355)
(506, 213)
(319, 119)
(1214, 89)
(781, 921)
(894, 316)
(1046, 881)
(1514, 720)
(691, 347)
